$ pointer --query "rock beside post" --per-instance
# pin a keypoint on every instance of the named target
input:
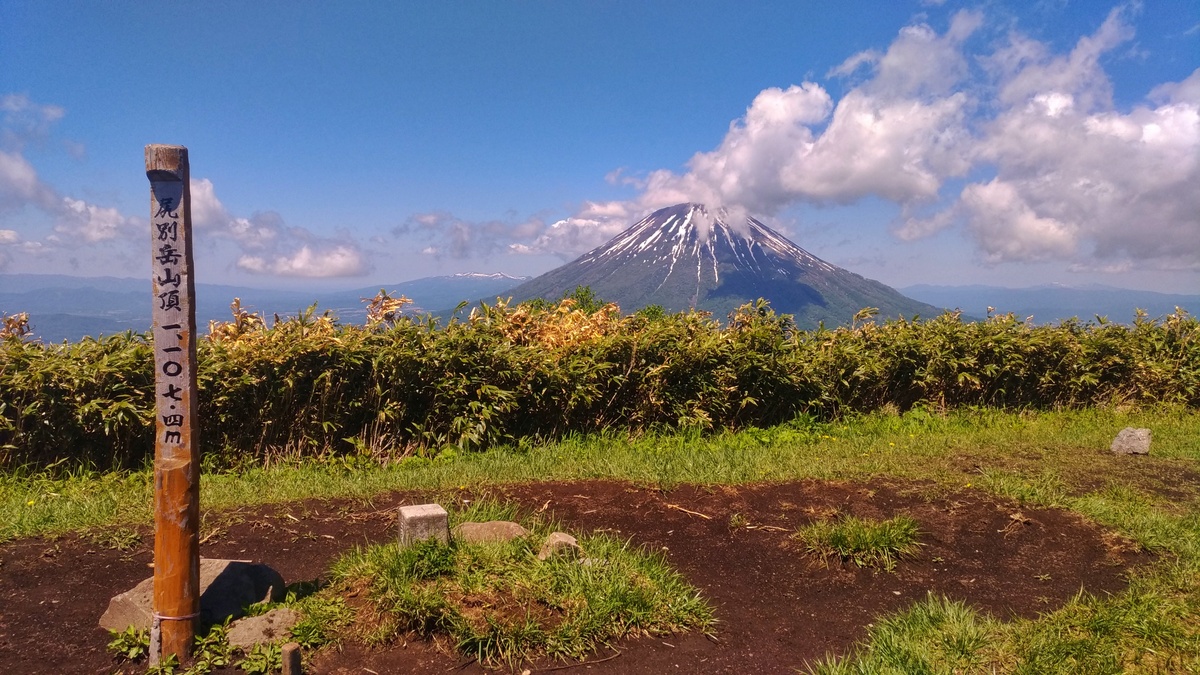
(226, 587)
(1131, 441)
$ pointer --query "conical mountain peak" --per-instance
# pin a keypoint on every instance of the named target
(691, 256)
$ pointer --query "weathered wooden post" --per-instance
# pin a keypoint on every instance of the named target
(176, 457)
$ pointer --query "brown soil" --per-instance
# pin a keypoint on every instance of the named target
(777, 607)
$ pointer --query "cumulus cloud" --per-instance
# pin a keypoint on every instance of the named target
(270, 246)
(89, 223)
(74, 221)
(1056, 171)
(327, 260)
(20, 185)
(1009, 228)
(448, 236)
(267, 244)
(900, 134)
(591, 225)
(1075, 178)
(25, 120)
(1028, 68)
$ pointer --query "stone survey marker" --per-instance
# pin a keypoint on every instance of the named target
(424, 521)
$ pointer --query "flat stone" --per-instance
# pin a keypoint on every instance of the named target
(559, 544)
(226, 588)
(273, 626)
(424, 521)
(1131, 441)
(491, 531)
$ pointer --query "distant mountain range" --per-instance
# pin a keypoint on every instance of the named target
(68, 308)
(689, 257)
(1052, 303)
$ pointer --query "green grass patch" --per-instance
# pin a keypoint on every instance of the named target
(1038, 457)
(1143, 630)
(1042, 458)
(866, 543)
(1151, 627)
(936, 635)
(498, 603)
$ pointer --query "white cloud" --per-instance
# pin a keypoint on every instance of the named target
(1008, 229)
(1078, 180)
(919, 62)
(325, 259)
(20, 185)
(848, 67)
(270, 246)
(898, 135)
(593, 224)
(24, 120)
(75, 221)
(80, 221)
(1187, 91)
(1027, 68)
(901, 150)
(208, 213)
(912, 227)
(448, 236)
(1058, 172)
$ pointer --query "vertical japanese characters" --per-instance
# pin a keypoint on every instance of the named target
(174, 322)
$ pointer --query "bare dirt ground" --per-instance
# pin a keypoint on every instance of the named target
(777, 607)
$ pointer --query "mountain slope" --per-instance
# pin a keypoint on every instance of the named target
(683, 257)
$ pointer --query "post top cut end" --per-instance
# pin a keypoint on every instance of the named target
(166, 162)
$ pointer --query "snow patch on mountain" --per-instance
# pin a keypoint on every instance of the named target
(481, 275)
(692, 256)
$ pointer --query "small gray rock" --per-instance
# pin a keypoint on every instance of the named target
(273, 626)
(226, 586)
(491, 531)
(1131, 441)
(424, 521)
(560, 544)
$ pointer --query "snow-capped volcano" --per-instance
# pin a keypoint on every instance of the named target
(688, 233)
(686, 256)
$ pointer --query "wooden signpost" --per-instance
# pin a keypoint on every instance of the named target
(176, 456)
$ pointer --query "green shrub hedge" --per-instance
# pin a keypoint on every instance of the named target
(307, 386)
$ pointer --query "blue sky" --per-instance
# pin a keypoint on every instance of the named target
(352, 144)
